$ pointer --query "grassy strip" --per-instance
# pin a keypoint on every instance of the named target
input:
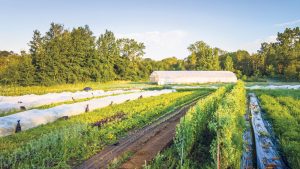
(65, 143)
(168, 158)
(19, 90)
(286, 128)
(117, 162)
(278, 92)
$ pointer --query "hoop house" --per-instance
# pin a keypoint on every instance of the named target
(184, 77)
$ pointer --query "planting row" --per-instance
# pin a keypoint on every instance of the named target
(35, 117)
(283, 114)
(17, 103)
(66, 143)
(210, 134)
(266, 150)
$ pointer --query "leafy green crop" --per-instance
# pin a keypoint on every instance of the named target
(283, 116)
(215, 121)
(63, 144)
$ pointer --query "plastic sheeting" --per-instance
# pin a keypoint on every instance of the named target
(32, 118)
(14, 103)
(183, 77)
(274, 87)
(266, 151)
(248, 156)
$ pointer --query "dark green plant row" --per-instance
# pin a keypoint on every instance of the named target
(285, 124)
(215, 121)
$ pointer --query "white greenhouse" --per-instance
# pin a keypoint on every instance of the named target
(185, 77)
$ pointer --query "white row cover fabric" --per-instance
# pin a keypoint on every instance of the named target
(266, 151)
(33, 118)
(14, 103)
(274, 87)
(185, 77)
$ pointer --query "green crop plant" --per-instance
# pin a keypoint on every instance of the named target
(285, 124)
(65, 143)
(214, 125)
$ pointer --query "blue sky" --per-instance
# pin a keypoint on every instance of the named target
(166, 27)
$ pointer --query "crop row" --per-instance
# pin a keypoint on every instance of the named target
(278, 92)
(33, 118)
(284, 117)
(65, 143)
(293, 106)
(210, 134)
(19, 103)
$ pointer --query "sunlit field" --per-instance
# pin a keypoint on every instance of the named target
(149, 84)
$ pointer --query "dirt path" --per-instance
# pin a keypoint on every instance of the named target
(145, 143)
(148, 147)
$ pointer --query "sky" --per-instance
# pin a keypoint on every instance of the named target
(166, 27)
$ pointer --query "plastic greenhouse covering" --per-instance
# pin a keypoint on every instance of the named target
(14, 103)
(32, 118)
(184, 77)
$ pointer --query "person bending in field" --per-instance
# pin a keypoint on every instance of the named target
(18, 127)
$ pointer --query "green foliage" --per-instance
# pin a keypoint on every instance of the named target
(278, 92)
(230, 126)
(5, 53)
(193, 127)
(216, 119)
(203, 57)
(65, 143)
(228, 65)
(293, 105)
(117, 162)
(286, 125)
(63, 56)
(166, 159)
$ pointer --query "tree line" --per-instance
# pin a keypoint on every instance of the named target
(69, 56)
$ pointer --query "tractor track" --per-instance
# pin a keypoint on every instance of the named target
(155, 136)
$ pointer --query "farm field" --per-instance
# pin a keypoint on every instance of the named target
(279, 113)
(283, 112)
(213, 121)
(58, 144)
(149, 84)
(206, 134)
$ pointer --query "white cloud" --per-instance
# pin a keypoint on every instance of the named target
(288, 23)
(252, 47)
(160, 45)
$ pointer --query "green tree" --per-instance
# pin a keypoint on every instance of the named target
(228, 65)
(203, 57)
(108, 53)
(129, 63)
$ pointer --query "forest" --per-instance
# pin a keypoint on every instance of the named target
(63, 56)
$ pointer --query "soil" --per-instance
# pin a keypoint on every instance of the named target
(144, 143)
(151, 145)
